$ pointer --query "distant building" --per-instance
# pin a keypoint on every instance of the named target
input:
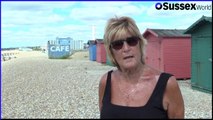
(78, 45)
(25, 49)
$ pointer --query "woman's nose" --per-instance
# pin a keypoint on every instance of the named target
(126, 46)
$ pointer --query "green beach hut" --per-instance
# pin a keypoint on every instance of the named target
(201, 54)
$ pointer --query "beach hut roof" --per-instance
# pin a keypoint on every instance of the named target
(100, 40)
(91, 42)
(198, 23)
(166, 32)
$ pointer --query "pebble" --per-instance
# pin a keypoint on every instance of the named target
(68, 88)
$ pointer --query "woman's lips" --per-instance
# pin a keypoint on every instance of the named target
(127, 57)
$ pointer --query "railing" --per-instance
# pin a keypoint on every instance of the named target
(8, 55)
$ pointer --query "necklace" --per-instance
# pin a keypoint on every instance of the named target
(128, 93)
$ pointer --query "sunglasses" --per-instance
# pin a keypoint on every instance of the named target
(118, 44)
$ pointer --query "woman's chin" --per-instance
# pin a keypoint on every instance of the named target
(129, 65)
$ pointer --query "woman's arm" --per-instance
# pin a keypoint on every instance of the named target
(102, 85)
(174, 99)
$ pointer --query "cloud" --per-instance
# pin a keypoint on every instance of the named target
(28, 18)
(33, 23)
(105, 3)
(40, 36)
(177, 19)
(20, 39)
(34, 5)
(98, 13)
(32, 13)
(153, 25)
(104, 10)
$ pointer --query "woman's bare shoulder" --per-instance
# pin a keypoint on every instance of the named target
(172, 83)
(103, 79)
(152, 71)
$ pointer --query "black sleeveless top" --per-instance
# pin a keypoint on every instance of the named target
(152, 109)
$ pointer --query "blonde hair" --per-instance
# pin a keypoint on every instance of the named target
(118, 27)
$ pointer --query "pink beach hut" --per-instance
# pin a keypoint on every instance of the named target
(169, 50)
(101, 52)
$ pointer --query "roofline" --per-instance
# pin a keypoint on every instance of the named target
(190, 28)
(152, 32)
(156, 35)
(176, 36)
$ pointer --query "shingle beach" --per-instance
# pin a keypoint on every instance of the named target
(34, 86)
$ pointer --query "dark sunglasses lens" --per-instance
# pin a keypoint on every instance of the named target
(132, 41)
(117, 45)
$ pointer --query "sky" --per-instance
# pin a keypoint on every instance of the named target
(33, 23)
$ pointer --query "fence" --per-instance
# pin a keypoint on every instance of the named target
(8, 55)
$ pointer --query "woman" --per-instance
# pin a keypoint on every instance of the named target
(134, 89)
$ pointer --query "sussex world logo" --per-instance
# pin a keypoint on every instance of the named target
(181, 6)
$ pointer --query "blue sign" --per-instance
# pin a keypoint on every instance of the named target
(59, 50)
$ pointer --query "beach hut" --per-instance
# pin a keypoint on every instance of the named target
(201, 62)
(108, 62)
(169, 50)
(92, 50)
(101, 51)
